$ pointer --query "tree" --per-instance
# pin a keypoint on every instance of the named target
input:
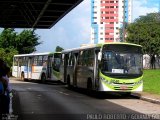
(59, 49)
(7, 38)
(7, 55)
(27, 41)
(24, 43)
(146, 32)
(12, 43)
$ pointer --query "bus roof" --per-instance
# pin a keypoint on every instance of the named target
(98, 45)
(35, 54)
(122, 43)
(80, 48)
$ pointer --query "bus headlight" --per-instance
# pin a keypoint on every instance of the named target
(139, 82)
(104, 80)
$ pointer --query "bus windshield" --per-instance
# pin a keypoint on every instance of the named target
(122, 63)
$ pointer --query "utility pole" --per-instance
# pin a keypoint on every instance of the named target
(123, 35)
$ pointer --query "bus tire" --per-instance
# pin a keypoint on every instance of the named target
(22, 76)
(43, 78)
(68, 81)
(89, 84)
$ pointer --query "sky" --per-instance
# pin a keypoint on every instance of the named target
(74, 28)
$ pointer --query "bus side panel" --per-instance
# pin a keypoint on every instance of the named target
(83, 74)
(70, 72)
(36, 72)
(61, 73)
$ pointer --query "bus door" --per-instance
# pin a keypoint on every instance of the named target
(49, 67)
(96, 69)
(65, 67)
(75, 69)
(29, 69)
(19, 68)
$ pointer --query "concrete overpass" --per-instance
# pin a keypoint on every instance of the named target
(34, 13)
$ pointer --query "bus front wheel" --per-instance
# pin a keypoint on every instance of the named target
(89, 84)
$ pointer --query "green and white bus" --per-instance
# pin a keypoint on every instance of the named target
(104, 67)
(38, 66)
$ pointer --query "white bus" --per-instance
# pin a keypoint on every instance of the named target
(38, 66)
(104, 67)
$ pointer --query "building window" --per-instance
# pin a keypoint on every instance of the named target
(106, 6)
(94, 6)
(94, 22)
(101, 28)
(106, 33)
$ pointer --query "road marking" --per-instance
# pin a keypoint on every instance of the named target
(63, 93)
(10, 105)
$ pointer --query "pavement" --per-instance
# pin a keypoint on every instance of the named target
(150, 97)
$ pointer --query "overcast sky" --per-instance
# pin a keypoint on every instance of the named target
(74, 29)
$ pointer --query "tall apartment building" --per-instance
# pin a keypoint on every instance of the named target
(107, 19)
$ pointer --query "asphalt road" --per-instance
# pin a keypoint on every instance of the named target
(35, 101)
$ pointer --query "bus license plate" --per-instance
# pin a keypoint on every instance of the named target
(123, 87)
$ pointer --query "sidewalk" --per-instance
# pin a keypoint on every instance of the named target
(154, 98)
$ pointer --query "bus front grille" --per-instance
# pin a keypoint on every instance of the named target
(123, 88)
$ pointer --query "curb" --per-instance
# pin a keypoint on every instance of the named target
(148, 99)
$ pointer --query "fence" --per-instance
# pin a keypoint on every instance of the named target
(147, 62)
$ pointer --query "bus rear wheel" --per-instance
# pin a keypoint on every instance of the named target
(43, 78)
